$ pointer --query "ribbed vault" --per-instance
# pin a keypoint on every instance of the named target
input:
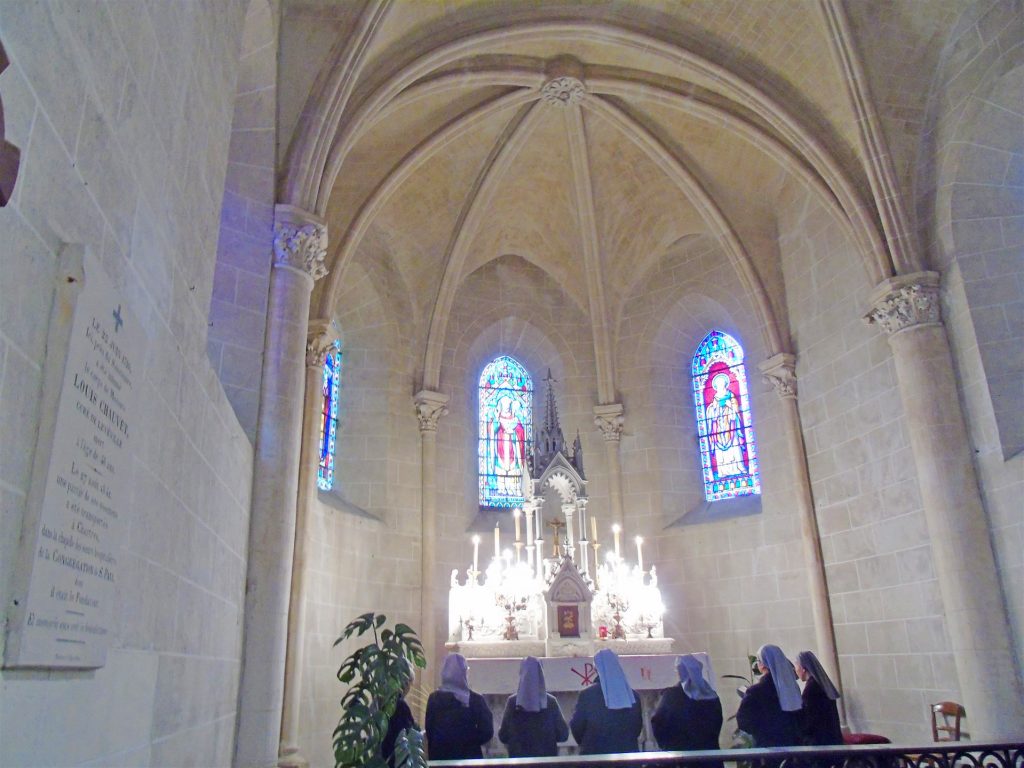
(587, 142)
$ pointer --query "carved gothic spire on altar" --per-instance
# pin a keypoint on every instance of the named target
(550, 441)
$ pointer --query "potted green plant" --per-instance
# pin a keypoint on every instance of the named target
(377, 674)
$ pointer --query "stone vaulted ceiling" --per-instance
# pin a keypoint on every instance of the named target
(588, 138)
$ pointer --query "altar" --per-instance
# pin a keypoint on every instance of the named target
(565, 676)
(559, 602)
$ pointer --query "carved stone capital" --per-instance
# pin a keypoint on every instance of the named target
(300, 241)
(430, 407)
(906, 301)
(780, 371)
(610, 420)
(319, 341)
(563, 91)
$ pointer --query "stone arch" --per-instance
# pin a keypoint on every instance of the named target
(310, 179)
(979, 210)
(241, 282)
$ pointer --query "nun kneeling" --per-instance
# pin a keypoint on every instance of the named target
(820, 722)
(458, 721)
(608, 718)
(770, 709)
(689, 715)
(532, 724)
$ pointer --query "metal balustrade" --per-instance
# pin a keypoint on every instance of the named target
(944, 755)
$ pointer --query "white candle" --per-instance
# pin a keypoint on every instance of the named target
(476, 553)
(516, 514)
(593, 530)
(529, 527)
(497, 542)
(616, 530)
(640, 553)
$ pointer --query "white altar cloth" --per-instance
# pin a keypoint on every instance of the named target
(566, 673)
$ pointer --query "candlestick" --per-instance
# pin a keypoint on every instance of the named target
(497, 542)
(593, 530)
(616, 530)
(476, 553)
(516, 514)
(640, 553)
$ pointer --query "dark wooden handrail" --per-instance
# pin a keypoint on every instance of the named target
(945, 755)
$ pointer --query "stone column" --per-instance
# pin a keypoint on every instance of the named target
(609, 420)
(300, 247)
(780, 371)
(319, 341)
(430, 407)
(907, 307)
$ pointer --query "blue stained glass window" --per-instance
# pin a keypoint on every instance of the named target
(329, 418)
(728, 452)
(505, 433)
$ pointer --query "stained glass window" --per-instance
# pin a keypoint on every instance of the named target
(329, 418)
(505, 433)
(728, 452)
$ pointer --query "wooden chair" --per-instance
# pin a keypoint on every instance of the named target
(946, 721)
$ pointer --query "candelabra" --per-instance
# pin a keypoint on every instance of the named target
(619, 605)
(512, 605)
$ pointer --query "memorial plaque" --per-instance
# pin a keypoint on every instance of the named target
(63, 617)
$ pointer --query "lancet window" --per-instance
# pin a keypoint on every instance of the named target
(505, 432)
(329, 418)
(728, 451)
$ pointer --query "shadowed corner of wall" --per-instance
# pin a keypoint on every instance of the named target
(716, 511)
(10, 155)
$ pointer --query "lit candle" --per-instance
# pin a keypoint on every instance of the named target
(616, 530)
(497, 542)
(593, 529)
(516, 514)
(476, 553)
(640, 553)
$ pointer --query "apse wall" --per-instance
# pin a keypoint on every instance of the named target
(123, 116)
(364, 538)
(729, 584)
(971, 204)
(508, 306)
(891, 635)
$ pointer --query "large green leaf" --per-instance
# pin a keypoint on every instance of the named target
(377, 674)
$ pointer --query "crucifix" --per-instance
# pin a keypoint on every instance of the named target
(556, 546)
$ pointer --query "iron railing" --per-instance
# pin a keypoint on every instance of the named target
(943, 755)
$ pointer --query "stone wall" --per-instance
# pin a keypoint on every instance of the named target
(971, 175)
(890, 631)
(123, 116)
(732, 583)
(364, 540)
(241, 281)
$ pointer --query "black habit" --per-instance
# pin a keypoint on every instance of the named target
(820, 716)
(761, 715)
(599, 730)
(454, 731)
(400, 720)
(532, 734)
(682, 723)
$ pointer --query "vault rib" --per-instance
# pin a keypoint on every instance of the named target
(391, 183)
(478, 199)
(583, 191)
(678, 172)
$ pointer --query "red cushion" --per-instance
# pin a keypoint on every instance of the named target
(865, 738)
